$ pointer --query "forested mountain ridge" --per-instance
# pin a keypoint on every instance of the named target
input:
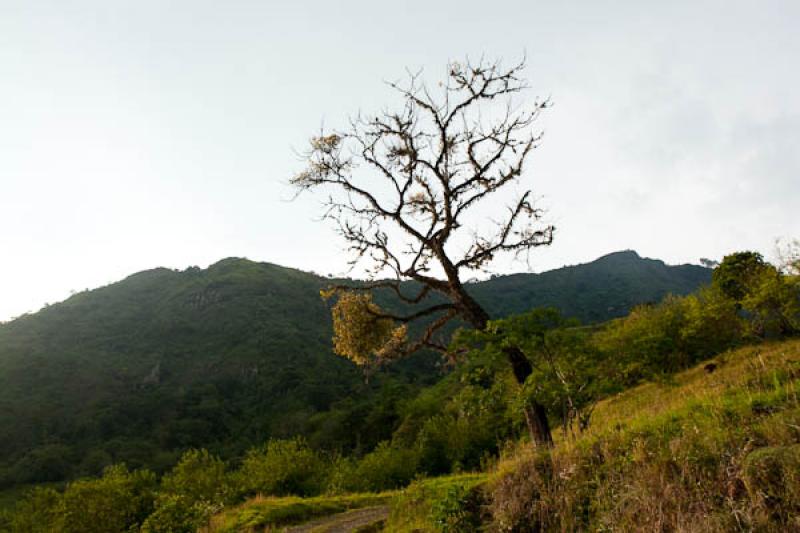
(231, 355)
(606, 288)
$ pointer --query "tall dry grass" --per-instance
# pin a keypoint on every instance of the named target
(712, 452)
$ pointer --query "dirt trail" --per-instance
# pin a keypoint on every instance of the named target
(343, 522)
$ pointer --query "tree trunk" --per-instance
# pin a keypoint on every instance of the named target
(535, 413)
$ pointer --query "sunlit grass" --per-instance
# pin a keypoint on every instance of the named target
(704, 450)
(262, 511)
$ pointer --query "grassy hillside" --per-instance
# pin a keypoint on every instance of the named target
(703, 451)
(229, 356)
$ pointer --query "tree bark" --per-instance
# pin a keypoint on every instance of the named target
(535, 413)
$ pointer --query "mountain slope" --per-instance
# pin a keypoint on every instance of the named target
(228, 356)
(594, 292)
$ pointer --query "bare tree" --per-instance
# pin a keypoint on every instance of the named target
(787, 253)
(406, 192)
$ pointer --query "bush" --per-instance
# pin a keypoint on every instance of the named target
(386, 467)
(179, 514)
(458, 510)
(198, 476)
(773, 303)
(343, 476)
(118, 501)
(451, 504)
(647, 341)
(195, 489)
(282, 467)
(772, 478)
(712, 324)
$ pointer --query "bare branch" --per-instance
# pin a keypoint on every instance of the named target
(402, 183)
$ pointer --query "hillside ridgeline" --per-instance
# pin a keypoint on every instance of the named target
(232, 355)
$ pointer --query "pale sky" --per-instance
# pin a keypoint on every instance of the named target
(162, 133)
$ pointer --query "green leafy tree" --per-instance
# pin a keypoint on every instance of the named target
(769, 298)
(712, 323)
(565, 366)
(647, 342)
(773, 302)
(737, 272)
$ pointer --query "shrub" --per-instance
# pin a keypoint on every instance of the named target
(195, 489)
(386, 467)
(451, 504)
(343, 476)
(179, 514)
(118, 501)
(198, 476)
(772, 478)
(458, 510)
(282, 467)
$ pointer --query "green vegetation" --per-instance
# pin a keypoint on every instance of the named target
(644, 442)
(229, 357)
(708, 452)
(449, 503)
(262, 512)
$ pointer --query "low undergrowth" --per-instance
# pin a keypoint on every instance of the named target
(449, 503)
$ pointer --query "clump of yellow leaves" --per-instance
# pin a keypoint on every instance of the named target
(360, 332)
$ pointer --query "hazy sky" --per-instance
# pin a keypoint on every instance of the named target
(161, 133)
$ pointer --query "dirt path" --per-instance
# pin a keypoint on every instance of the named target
(343, 522)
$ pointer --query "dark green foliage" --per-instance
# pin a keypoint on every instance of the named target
(230, 356)
(749, 300)
(737, 273)
(569, 373)
(452, 503)
(606, 288)
(773, 304)
(768, 297)
(402, 432)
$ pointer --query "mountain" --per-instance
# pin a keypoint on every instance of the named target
(594, 292)
(231, 355)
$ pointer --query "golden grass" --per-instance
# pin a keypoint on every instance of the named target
(687, 454)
